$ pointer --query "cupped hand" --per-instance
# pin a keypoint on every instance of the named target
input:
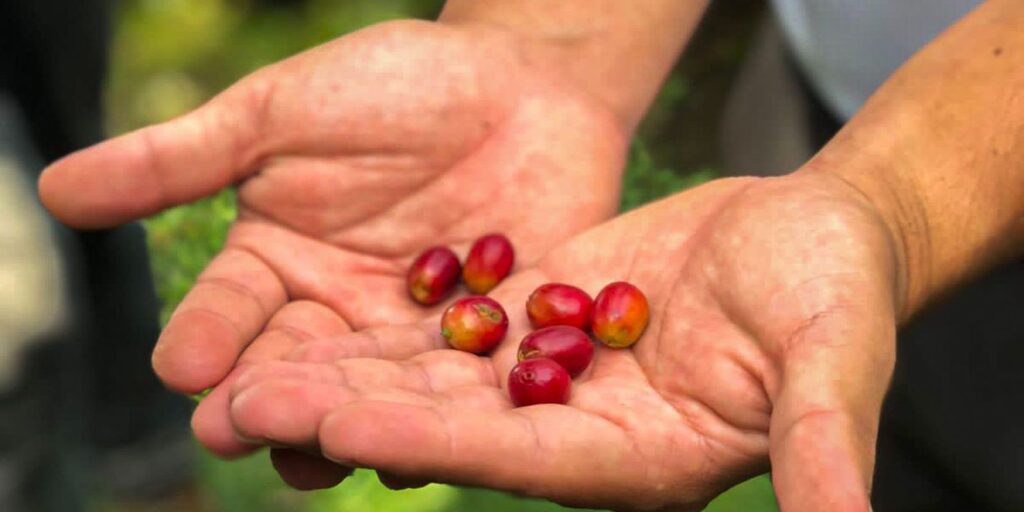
(350, 159)
(774, 304)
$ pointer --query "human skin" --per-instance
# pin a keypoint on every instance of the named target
(882, 221)
(774, 309)
(353, 157)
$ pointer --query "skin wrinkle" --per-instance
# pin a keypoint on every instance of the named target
(248, 154)
(915, 236)
(898, 239)
(659, 363)
(216, 315)
(154, 168)
(266, 264)
(337, 234)
(296, 335)
(423, 375)
(868, 435)
(759, 375)
(243, 244)
(539, 448)
(627, 433)
(787, 338)
(378, 343)
(450, 444)
(704, 472)
(236, 287)
(697, 425)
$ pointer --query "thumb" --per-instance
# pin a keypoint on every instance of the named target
(146, 171)
(825, 421)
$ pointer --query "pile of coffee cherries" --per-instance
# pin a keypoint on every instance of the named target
(434, 274)
(559, 348)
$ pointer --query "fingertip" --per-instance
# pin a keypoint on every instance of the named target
(212, 427)
(193, 353)
(100, 186)
(400, 483)
(819, 464)
(284, 411)
(48, 189)
(307, 472)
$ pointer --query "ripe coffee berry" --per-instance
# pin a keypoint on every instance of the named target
(538, 381)
(489, 262)
(620, 315)
(474, 324)
(434, 273)
(559, 304)
(567, 346)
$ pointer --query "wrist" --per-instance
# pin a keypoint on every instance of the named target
(940, 158)
(941, 235)
(556, 55)
(868, 182)
(617, 53)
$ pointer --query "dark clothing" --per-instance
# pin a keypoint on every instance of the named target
(89, 392)
(952, 435)
(52, 61)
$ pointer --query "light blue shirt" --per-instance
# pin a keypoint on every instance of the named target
(847, 48)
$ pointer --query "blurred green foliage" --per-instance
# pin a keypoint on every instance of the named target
(171, 55)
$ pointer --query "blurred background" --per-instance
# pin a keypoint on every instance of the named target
(169, 56)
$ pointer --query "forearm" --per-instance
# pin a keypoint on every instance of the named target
(939, 149)
(619, 51)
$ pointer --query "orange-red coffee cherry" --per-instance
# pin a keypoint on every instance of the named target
(539, 381)
(474, 324)
(565, 345)
(433, 275)
(620, 315)
(489, 262)
(559, 304)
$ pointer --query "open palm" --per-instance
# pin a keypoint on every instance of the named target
(349, 160)
(773, 319)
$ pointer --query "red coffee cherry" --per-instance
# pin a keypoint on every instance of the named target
(620, 315)
(474, 324)
(567, 346)
(559, 304)
(433, 275)
(538, 381)
(489, 262)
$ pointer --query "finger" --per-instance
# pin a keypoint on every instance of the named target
(825, 420)
(285, 402)
(398, 483)
(429, 372)
(211, 423)
(389, 342)
(548, 450)
(364, 290)
(292, 323)
(307, 472)
(151, 169)
(228, 306)
(297, 323)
